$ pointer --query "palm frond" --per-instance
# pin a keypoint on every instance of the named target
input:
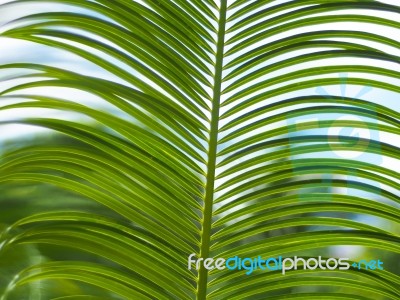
(194, 157)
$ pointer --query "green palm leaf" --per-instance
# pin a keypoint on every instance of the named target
(193, 157)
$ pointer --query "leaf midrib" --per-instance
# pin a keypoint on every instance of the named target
(212, 154)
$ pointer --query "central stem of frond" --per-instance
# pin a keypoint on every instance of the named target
(212, 153)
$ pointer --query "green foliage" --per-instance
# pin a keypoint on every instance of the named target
(185, 163)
